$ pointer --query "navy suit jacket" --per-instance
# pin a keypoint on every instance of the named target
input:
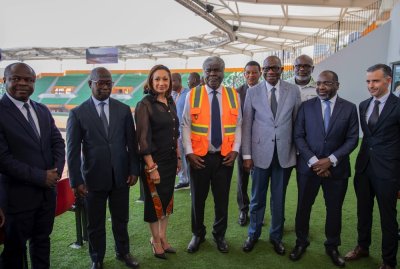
(380, 147)
(95, 159)
(24, 158)
(340, 139)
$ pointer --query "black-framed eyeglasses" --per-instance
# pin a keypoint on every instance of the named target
(304, 66)
(18, 79)
(102, 83)
(326, 83)
(274, 68)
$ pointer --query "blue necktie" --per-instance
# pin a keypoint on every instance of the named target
(103, 117)
(216, 136)
(327, 114)
(30, 120)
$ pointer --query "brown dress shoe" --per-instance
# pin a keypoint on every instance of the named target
(356, 254)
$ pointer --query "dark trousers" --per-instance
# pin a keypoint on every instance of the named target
(334, 191)
(367, 186)
(35, 226)
(279, 177)
(219, 177)
(242, 183)
(118, 203)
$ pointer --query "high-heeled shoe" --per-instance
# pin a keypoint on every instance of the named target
(157, 255)
(168, 249)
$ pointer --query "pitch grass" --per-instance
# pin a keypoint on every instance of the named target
(179, 234)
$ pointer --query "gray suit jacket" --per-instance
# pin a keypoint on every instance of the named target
(261, 131)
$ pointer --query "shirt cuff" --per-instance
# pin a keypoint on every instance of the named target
(311, 161)
(333, 160)
(246, 157)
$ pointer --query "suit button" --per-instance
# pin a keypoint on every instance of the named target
(370, 148)
(273, 140)
(276, 126)
(325, 141)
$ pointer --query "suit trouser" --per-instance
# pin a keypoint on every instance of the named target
(118, 203)
(367, 186)
(334, 191)
(183, 174)
(219, 177)
(279, 177)
(33, 225)
(242, 183)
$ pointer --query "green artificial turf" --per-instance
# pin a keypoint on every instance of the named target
(208, 257)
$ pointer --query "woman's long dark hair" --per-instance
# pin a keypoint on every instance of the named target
(148, 87)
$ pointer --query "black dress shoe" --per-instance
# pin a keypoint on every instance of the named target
(249, 244)
(297, 252)
(221, 244)
(129, 260)
(278, 247)
(335, 257)
(194, 244)
(243, 218)
(97, 265)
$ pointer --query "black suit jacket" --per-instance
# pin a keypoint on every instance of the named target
(24, 158)
(242, 90)
(340, 139)
(380, 147)
(95, 159)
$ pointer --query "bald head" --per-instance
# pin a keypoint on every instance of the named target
(303, 67)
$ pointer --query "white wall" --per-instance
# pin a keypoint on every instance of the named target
(352, 62)
(394, 40)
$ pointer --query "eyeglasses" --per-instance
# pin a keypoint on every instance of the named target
(326, 83)
(18, 79)
(102, 83)
(304, 66)
(274, 68)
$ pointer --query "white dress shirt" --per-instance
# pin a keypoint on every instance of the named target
(20, 106)
(371, 106)
(331, 157)
(106, 107)
(277, 91)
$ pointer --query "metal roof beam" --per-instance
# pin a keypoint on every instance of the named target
(322, 3)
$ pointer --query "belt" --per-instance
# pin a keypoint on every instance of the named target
(214, 152)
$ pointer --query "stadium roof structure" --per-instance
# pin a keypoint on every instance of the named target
(242, 27)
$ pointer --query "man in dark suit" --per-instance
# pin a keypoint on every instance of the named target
(252, 73)
(378, 166)
(102, 130)
(325, 133)
(32, 158)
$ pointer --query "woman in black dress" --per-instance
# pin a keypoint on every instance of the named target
(157, 133)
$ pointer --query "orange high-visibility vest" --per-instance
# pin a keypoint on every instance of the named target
(200, 115)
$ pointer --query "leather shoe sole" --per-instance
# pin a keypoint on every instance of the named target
(335, 257)
(297, 253)
(356, 253)
(222, 246)
(249, 244)
(194, 243)
(278, 247)
(129, 260)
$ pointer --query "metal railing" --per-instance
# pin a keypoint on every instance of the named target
(354, 24)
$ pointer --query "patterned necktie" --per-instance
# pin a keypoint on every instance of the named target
(103, 117)
(274, 103)
(373, 119)
(216, 136)
(327, 114)
(30, 119)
